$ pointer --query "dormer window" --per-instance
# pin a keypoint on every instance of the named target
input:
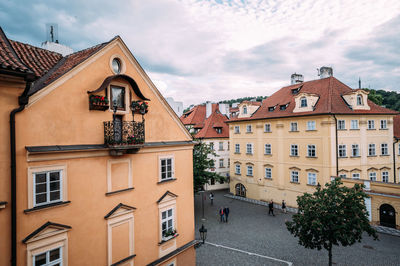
(283, 107)
(359, 100)
(118, 97)
(295, 91)
(303, 102)
(245, 109)
(271, 109)
(219, 130)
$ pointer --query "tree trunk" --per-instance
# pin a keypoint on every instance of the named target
(330, 254)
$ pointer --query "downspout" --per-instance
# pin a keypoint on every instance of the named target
(394, 160)
(22, 101)
(336, 148)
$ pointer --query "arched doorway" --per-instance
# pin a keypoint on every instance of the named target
(387, 215)
(240, 190)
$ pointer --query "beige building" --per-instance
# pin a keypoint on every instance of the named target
(307, 132)
(99, 171)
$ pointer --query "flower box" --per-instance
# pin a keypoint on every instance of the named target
(140, 107)
(97, 102)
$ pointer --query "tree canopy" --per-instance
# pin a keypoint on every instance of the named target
(334, 215)
(388, 99)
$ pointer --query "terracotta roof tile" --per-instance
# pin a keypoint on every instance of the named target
(9, 60)
(215, 120)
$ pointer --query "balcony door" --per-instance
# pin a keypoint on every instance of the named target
(118, 129)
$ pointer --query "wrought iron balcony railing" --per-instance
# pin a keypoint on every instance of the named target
(117, 133)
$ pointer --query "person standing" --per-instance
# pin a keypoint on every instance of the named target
(211, 196)
(283, 206)
(221, 214)
(271, 208)
(226, 212)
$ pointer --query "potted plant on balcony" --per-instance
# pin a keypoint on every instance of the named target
(135, 140)
(140, 106)
(97, 102)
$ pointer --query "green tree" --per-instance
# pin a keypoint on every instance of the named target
(202, 163)
(331, 216)
(375, 97)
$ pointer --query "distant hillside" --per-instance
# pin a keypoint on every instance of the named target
(239, 100)
(388, 99)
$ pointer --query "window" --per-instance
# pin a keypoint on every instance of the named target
(294, 150)
(341, 124)
(249, 148)
(47, 187)
(267, 128)
(116, 65)
(237, 169)
(355, 151)
(271, 108)
(245, 109)
(268, 173)
(221, 146)
(167, 223)
(384, 149)
(166, 169)
(282, 107)
(229, 162)
(342, 150)
(267, 149)
(311, 151)
(237, 129)
(371, 124)
(310, 125)
(219, 130)
(118, 97)
(294, 176)
(211, 145)
(293, 126)
(228, 145)
(248, 129)
(371, 149)
(359, 100)
(385, 176)
(312, 179)
(250, 170)
(237, 148)
(342, 175)
(303, 102)
(354, 124)
(221, 163)
(383, 124)
(355, 175)
(372, 176)
(51, 257)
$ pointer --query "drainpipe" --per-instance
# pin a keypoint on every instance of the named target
(22, 101)
(336, 148)
(394, 160)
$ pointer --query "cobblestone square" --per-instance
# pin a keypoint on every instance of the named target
(252, 237)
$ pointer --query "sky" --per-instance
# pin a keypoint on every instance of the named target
(199, 50)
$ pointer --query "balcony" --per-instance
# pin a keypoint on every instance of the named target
(123, 136)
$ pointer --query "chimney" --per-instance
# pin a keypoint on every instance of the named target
(223, 108)
(296, 78)
(325, 72)
(208, 109)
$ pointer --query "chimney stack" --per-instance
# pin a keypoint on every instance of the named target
(296, 78)
(208, 109)
(325, 72)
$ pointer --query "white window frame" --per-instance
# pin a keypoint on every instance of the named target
(267, 149)
(354, 124)
(166, 219)
(341, 124)
(311, 125)
(294, 176)
(303, 102)
(371, 149)
(311, 150)
(237, 129)
(371, 124)
(249, 148)
(312, 178)
(385, 176)
(293, 126)
(249, 170)
(249, 129)
(383, 124)
(221, 146)
(343, 176)
(355, 175)
(245, 109)
(359, 100)
(238, 169)
(372, 176)
(294, 150)
(342, 150)
(211, 144)
(221, 163)
(47, 254)
(161, 158)
(267, 128)
(48, 200)
(268, 173)
(237, 148)
(384, 149)
(355, 150)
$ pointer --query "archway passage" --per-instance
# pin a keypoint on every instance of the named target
(387, 215)
(240, 190)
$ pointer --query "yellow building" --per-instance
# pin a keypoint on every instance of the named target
(307, 132)
(95, 178)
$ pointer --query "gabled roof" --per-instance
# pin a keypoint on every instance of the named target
(43, 227)
(116, 208)
(215, 120)
(329, 90)
(194, 116)
(396, 126)
(166, 194)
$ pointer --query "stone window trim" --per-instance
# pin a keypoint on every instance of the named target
(127, 96)
(168, 202)
(166, 157)
(121, 61)
(267, 128)
(110, 162)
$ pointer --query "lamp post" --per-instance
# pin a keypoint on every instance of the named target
(203, 233)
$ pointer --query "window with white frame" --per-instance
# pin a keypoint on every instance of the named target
(249, 148)
(47, 187)
(237, 148)
(237, 169)
(245, 109)
(371, 124)
(221, 163)
(268, 173)
(167, 223)
(50, 257)
(341, 124)
(221, 146)
(294, 176)
(267, 127)
(384, 124)
(311, 151)
(237, 129)
(385, 176)
(359, 100)
(303, 102)
(342, 175)
(267, 149)
(166, 168)
(248, 129)
(311, 125)
(371, 149)
(250, 170)
(354, 124)
(384, 149)
(355, 150)
(312, 179)
(342, 150)
(355, 176)
(372, 176)
(293, 126)
(294, 151)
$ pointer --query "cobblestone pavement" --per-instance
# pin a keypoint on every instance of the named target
(251, 230)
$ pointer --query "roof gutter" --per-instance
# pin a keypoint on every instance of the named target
(336, 148)
(22, 102)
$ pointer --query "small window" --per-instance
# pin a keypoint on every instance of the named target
(221, 163)
(267, 128)
(343, 176)
(294, 176)
(359, 100)
(267, 149)
(229, 162)
(268, 173)
(166, 171)
(248, 128)
(249, 148)
(383, 124)
(167, 223)
(371, 149)
(118, 97)
(311, 151)
(237, 129)
(312, 179)
(245, 109)
(355, 150)
(116, 65)
(355, 176)
(293, 126)
(341, 124)
(384, 149)
(294, 150)
(372, 176)
(371, 124)
(385, 176)
(342, 150)
(47, 187)
(211, 145)
(303, 102)
(51, 257)
(354, 124)
(221, 146)
(283, 107)
(219, 130)
(228, 146)
(250, 170)
(237, 169)
(237, 148)
(311, 125)
(271, 108)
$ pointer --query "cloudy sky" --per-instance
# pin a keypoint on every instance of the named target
(198, 50)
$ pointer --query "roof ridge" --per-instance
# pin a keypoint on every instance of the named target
(37, 47)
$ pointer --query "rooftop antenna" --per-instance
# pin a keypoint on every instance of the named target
(52, 32)
(359, 82)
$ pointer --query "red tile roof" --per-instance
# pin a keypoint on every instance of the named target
(329, 90)
(396, 126)
(252, 103)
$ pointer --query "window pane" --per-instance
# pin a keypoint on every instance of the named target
(54, 176)
(40, 178)
(170, 213)
(54, 254)
(164, 215)
(164, 226)
(40, 188)
(40, 198)
(40, 259)
(117, 95)
(55, 195)
(54, 186)
(169, 224)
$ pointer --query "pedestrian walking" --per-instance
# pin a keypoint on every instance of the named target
(211, 196)
(283, 206)
(271, 208)
(221, 214)
(226, 212)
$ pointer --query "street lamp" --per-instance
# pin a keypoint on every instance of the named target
(203, 233)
